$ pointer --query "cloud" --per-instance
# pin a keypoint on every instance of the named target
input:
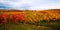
(30, 4)
(17, 4)
(4, 6)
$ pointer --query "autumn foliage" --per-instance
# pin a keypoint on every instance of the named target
(29, 16)
(3, 20)
(17, 17)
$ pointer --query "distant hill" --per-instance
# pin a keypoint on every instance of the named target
(28, 10)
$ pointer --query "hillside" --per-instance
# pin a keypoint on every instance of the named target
(34, 15)
(19, 19)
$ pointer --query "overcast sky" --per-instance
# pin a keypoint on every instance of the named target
(30, 4)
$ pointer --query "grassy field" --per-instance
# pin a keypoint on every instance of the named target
(26, 27)
(39, 26)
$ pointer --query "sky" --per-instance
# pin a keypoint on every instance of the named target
(30, 4)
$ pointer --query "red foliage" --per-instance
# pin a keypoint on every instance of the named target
(3, 19)
(17, 17)
(13, 18)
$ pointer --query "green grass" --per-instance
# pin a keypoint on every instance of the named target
(38, 26)
(24, 27)
(53, 25)
(49, 25)
(1, 27)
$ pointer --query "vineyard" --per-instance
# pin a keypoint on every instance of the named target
(36, 18)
